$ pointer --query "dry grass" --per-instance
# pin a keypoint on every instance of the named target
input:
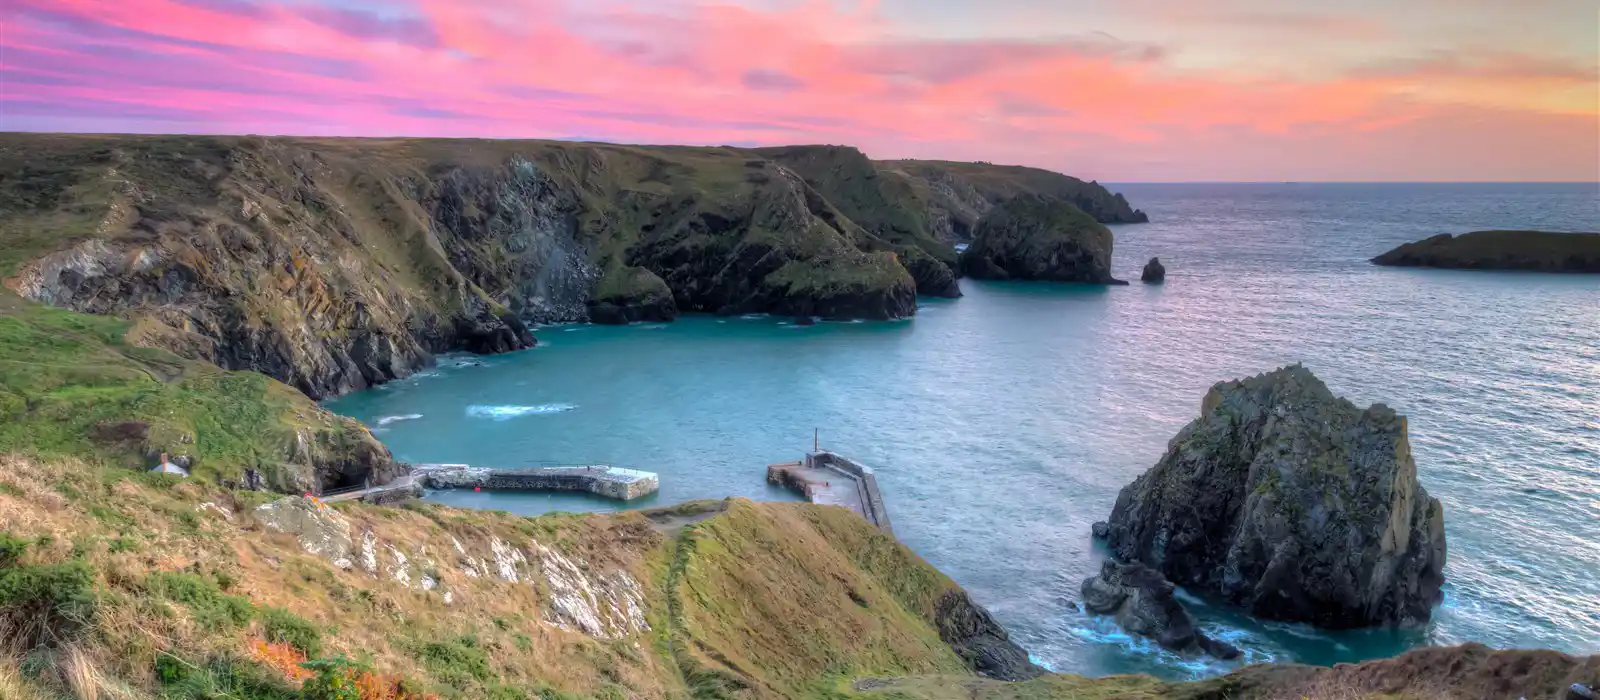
(12, 685)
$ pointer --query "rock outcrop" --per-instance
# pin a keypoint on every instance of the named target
(1154, 272)
(1292, 504)
(954, 196)
(979, 640)
(1142, 602)
(1035, 237)
(1537, 251)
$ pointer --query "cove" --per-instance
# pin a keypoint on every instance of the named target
(1002, 424)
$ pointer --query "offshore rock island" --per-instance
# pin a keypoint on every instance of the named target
(1292, 504)
(1536, 251)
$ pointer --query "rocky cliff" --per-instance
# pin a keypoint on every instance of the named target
(337, 264)
(1037, 237)
(1538, 251)
(956, 195)
(1291, 503)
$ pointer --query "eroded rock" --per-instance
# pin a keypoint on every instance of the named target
(1292, 504)
(1033, 237)
(1142, 602)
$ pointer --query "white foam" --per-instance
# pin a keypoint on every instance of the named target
(395, 419)
(509, 412)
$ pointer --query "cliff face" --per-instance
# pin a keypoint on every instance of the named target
(1034, 237)
(1537, 251)
(337, 264)
(1293, 504)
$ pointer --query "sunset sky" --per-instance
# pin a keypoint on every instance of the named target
(1131, 90)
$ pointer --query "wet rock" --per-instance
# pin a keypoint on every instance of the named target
(1101, 530)
(1142, 602)
(977, 638)
(1292, 504)
(805, 321)
(1154, 272)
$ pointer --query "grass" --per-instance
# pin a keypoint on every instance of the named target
(72, 385)
(764, 605)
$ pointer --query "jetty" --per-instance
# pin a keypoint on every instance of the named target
(599, 479)
(829, 479)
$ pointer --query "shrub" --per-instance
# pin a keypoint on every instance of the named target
(210, 606)
(40, 601)
(11, 549)
(280, 625)
(221, 677)
(333, 679)
(458, 661)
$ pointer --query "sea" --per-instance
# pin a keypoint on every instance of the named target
(1002, 424)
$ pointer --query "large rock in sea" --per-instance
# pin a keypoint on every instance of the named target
(1291, 503)
(1036, 237)
(1143, 603)
(1154, 272)
(1536, 251)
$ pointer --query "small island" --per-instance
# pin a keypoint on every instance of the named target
(1537, 251)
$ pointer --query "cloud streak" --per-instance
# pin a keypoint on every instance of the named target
(699, 72)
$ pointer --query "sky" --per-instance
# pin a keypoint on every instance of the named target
(1114, 90)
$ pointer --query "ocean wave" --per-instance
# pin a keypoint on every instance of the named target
(509, 412)
(396, 419)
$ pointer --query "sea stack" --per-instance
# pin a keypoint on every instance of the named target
(1292, 504)
(1037, 237)
(1154, 272)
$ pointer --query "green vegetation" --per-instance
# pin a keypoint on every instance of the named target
(210, 607)
(72, 385)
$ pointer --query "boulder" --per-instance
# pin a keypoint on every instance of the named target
(1035, 237)
(1154, 272)
(1142, 602)
(1292, 504)
(1101, 530)
(320, 530)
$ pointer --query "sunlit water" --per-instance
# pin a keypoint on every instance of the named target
(1004, 423)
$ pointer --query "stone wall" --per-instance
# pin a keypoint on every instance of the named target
(871, 497)
(611, 482)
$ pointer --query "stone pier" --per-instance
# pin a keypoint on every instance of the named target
(601, 480)
(826, 478)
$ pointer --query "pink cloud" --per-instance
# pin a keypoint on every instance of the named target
(710, 73)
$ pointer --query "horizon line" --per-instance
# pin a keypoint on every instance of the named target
(575, 139)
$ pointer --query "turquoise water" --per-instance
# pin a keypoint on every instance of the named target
(1002, 424)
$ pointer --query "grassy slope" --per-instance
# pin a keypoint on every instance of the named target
(69, 380)
(159, 588)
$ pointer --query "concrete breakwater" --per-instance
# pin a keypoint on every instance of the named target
(826, 478)
(601, 480)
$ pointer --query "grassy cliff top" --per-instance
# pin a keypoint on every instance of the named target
(73, 385)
